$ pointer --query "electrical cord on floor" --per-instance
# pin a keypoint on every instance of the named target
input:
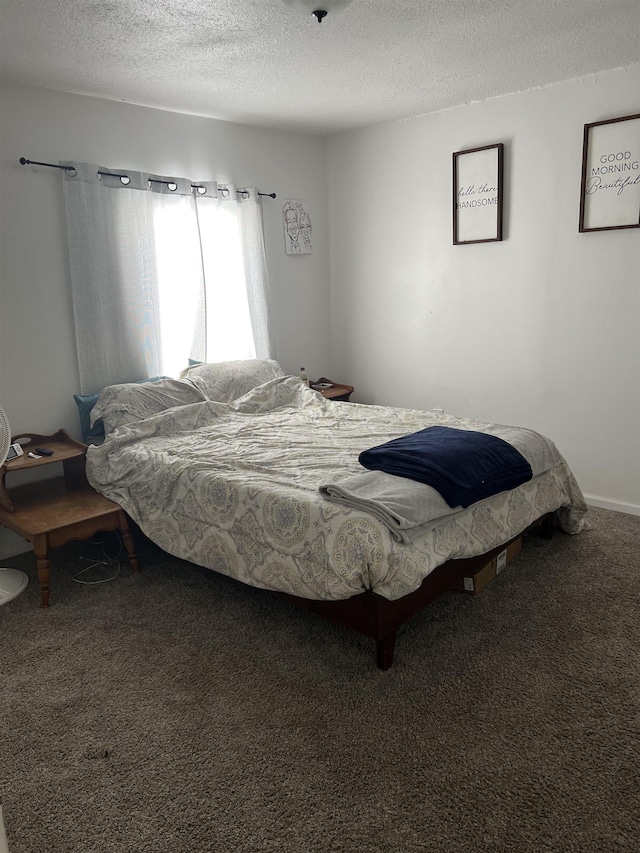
(98, 562)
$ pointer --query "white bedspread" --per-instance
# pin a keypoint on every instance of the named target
(236, 488)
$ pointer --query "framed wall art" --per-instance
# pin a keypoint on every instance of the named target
(610, 187)
(477, 194)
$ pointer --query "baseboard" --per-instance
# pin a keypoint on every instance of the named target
(616, 506)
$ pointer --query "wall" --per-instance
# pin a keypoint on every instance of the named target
(38, 370)
(541, 329)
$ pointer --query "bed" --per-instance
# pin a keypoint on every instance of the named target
(244, 470)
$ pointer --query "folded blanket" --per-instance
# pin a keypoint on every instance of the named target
(464, 466)
(402, 505)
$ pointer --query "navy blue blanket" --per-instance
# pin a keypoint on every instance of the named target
(463, 465)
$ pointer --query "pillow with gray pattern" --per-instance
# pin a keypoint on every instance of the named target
(130, 402)
(224, 381)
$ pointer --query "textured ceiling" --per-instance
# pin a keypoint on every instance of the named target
(263, 62)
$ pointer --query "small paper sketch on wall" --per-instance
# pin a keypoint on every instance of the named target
(296, 221)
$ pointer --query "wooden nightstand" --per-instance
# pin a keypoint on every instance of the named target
(52, 512)
(334, 391)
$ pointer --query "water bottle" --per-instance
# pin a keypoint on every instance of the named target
(303, 376)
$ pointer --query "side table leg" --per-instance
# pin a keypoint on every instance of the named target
(42, 562)
(129, 544)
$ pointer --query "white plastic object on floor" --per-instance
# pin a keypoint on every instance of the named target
(4, 847)
(12, 582)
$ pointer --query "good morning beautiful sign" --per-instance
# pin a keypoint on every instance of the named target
(610, 189)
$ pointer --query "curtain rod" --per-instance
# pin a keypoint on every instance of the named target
(25, 162)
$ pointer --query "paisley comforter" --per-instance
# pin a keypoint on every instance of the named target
(236, 487)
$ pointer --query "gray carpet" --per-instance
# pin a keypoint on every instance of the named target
(177, 711)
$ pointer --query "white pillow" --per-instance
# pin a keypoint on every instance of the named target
(224, 381)
(130, 402)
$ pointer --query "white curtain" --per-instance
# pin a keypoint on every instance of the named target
(163, 270)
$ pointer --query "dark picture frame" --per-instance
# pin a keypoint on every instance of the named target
(477, 194)
(610, 185)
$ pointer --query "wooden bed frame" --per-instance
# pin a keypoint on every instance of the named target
(379, 618)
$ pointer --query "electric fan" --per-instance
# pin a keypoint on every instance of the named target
(12, 581)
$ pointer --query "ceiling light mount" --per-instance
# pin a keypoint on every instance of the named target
(318, 8)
